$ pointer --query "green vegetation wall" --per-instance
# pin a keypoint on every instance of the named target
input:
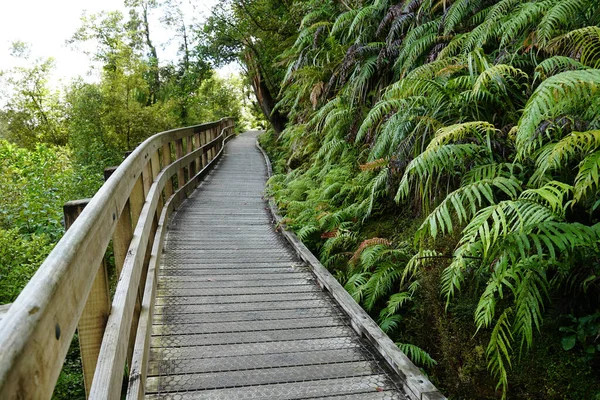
(443, 159)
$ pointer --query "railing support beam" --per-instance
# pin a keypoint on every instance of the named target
(97, 307)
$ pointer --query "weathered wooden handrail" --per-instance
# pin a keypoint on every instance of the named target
(132, 209)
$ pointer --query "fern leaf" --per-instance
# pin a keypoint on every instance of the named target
(588, 176)
(567, 92)
(417, 355)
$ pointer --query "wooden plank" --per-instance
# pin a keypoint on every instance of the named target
(203, 141)
(139, 364)
(147, 179)
(136, 200)
(416, 384)
(166, 157)
(123, 231)
(197, 160)
(211, 137)
(108, 378)
(155, 167)
(97, 307)
(190, 147)
(180, 172)
(37, 330)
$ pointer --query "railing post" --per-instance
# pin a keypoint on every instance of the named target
(203, 141)
(192, 164)
(136, 201)
(155, 165)
(180, 172)
(97, 307)
(166, 157)
(208, 139)
(197, 145)
(213, 135)
(123, 231)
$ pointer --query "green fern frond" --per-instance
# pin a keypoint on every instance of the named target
(560, 16)
(480, 130)
(395, 302)
(530, 292)
(464, 203)
(588, 176)
(376, 115)
(417, 354)
(389, 322)
(492, 171)
(526, 15)
(307, 230)
(555, 65)
(583, 43)
(552, 195)
(343, 21)
(566, 93)
(555, 156)
(377, 189)
(498, 351)
(416, 261)
(450, 159)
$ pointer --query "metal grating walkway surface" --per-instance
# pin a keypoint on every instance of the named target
(238, 316)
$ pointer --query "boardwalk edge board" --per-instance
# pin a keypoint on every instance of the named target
(416, 385)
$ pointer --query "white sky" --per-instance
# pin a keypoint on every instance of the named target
(47, 24)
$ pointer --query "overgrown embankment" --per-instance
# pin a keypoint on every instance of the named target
(443, 161)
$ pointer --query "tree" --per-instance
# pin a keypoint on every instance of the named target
(33, 113)
(253, 33)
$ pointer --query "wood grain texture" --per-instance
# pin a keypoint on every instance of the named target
(220, 332)
(36, 332)
(123, 231)
(97, 308)
(166, 160)
(109, 372)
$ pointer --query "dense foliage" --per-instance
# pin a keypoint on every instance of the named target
(443, 158)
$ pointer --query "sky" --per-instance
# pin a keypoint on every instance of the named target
(47, 24)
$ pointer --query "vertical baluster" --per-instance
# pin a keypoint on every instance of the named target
(192, 164)
(196, 146)
(123, 231)
(180, 172)
(97, 307)
(203, 141)
(215, 148)
(166, 156)
(155, 166)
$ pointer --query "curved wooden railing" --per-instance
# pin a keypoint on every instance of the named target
(71, 291)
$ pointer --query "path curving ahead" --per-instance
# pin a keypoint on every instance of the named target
(238, 316)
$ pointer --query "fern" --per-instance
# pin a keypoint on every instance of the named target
(498, 350)
(465, 202)
(588, 176)
(416, 354)
(560, 15)
(555, 65)
(559, 95)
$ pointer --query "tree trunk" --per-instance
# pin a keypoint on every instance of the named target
(263, 95)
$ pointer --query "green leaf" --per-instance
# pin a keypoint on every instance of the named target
(568, 342)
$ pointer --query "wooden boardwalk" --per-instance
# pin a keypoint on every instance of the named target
(238, 315)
